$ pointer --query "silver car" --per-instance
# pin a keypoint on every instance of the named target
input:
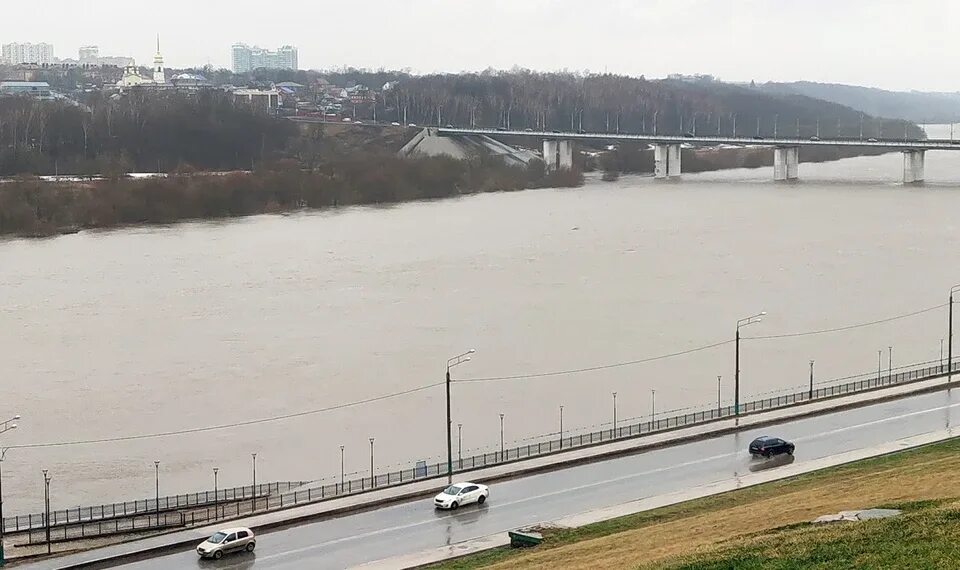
(226, 541)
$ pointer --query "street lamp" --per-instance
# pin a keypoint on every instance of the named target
(216, 494)
(373, 478)
(890, 362)
(156, 467)
(653, 405)
(459, 446)
(253, 490)
(561, 427)
(811, 381)
(46, 504)
(879, 360)
(341, 468)
(614, 414)
(451, 362)
(736, 376)
(953, 290)
(3, 453)
(719, 405)
(5, 427)
(501, 437)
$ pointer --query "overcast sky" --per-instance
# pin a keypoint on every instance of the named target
(906, 44)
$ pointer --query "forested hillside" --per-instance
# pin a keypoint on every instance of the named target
(913, 106)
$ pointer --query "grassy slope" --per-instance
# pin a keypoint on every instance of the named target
(739, 529)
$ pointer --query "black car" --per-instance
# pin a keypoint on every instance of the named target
(765, 446)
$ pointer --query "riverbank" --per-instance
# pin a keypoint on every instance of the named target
(768, 526)
(34, 208)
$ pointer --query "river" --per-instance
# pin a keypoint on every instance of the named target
(149, 329)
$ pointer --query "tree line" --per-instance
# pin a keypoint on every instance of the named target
(142, 131)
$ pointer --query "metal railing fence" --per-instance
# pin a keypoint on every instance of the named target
(197, 508)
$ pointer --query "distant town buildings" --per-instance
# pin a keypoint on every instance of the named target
(90, 55)
(36, 89)
(16, 53)
(246, 58)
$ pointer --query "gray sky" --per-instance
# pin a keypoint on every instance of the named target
(884, 43)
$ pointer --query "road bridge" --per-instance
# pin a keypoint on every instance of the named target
(558, 148)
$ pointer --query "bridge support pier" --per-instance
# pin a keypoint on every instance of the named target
(666, 160)
(565, 155)
(786, 163)
(913, 166)
(558, 155)
(550, 158)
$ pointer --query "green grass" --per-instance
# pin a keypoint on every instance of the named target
(925, 537)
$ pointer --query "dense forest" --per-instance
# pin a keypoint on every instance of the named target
(140, 131)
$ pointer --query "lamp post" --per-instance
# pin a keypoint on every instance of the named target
(501, 437)
(46, 505)
(719, 405)
(811, 381)
(451, 362)
(889, 363)
(373, 477)
(953, 290)
(736, 376)
(459, 446)
(4, 427)
(561, 427)
(216, 493)
(341, 468)
(614, 414)
(253, 490)
(941, 355)
(3, 452)
(879, 360)
(156, 468)
(653, 405)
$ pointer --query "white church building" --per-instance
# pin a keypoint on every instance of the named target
(133, 78)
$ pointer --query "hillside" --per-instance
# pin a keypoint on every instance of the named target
(915, 106)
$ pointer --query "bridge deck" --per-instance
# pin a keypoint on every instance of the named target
(712, 140)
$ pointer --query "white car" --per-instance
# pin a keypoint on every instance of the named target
(459, 494)
(226, 541)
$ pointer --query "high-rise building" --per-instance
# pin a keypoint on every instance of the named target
(89, 54)
(246, 58)
(16, 53)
